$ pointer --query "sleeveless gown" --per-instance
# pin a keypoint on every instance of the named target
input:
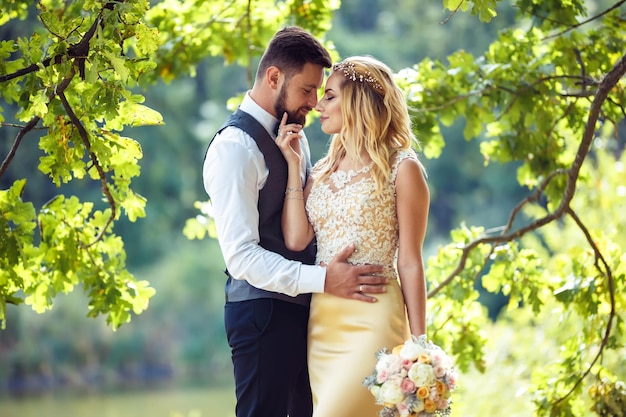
(344, 334)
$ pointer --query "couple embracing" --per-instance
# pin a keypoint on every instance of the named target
(324, 262)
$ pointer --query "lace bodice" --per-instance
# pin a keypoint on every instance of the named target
(344, 210)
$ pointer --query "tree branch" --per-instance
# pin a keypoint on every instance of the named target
(84, 135)
(24, 130)
(77, 51)
(584, 22)
(458, 7)
(601, 94)
(505, 235)
(586, 82)
(16, 144)
(611, 284)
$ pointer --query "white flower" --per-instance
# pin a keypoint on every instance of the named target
(389, 364)
(411, 351)
(422, 374)
(415, 379)
(375, 390)
(390, 393)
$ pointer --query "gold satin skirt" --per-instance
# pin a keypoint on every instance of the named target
(344, 336)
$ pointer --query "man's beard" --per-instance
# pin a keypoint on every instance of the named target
(279, 108)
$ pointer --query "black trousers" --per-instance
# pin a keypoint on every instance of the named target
(268, 338)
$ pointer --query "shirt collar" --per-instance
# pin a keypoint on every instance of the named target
(253, 109)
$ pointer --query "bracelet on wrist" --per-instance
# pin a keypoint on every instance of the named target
(293, 190)
(295, 198)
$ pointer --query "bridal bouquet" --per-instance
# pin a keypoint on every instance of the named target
(415, 379)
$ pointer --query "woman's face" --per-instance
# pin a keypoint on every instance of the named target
(330, 106)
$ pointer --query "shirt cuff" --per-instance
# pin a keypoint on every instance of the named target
(312, 279)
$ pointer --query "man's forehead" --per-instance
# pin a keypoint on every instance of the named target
(310, 76)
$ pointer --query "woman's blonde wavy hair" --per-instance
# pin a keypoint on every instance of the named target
(375, 119)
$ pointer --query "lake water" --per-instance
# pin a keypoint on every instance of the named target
(193, 402)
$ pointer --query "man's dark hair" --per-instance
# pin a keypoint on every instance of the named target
(290, 49)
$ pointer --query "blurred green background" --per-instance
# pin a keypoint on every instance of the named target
(173, 360)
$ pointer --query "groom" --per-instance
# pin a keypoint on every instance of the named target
(268, 286)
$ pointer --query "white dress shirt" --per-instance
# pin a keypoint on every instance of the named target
(234, 172)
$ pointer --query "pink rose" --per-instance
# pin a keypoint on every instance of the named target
(403, 409)
(382, 376)
(439, 358)
(439, 371)
(407, 363)
(407, 386)
(451, 380)
(442, 403)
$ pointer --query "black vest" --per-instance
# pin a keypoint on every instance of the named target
(270, 205)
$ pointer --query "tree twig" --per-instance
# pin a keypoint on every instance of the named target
(611, 284)
(601, 94)
(16, 144)
(591, 19)
(458, 7)
(84, 135)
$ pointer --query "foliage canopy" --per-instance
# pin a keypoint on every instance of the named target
(548, 94)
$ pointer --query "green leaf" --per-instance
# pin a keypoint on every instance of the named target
(119, 65)
(134, 114)
(135, 206)
(39, 106)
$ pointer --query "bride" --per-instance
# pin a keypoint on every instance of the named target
(369, 190)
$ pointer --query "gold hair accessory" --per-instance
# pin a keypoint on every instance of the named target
(350, 72)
